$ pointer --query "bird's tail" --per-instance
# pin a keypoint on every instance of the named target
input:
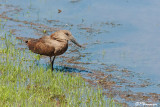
(24, 39)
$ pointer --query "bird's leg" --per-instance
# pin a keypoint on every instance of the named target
(50, 59)
(52, 63)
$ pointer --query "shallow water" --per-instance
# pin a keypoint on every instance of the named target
(123, 33)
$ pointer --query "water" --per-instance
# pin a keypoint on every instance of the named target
(123, 33)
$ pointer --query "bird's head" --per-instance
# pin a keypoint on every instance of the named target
(65, 34)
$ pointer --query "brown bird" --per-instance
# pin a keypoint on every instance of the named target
(53, 45)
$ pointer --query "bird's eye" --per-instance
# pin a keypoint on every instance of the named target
(67, 34)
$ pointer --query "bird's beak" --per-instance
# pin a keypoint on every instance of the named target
(75, 42)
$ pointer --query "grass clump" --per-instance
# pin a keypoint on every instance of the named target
(23, 83)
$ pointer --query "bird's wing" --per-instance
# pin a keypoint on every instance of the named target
(41, 46)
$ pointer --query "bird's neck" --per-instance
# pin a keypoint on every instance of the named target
(61, 40)
(54, 37)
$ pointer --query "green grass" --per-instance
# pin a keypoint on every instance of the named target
(23, 83)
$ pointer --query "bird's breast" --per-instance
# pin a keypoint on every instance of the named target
(60, 49)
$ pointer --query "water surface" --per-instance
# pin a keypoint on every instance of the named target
(124, 33)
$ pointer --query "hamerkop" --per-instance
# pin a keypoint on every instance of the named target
(53, 45)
